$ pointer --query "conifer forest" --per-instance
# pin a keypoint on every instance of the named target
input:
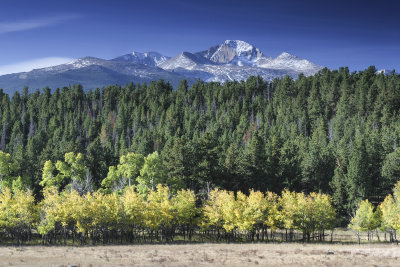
(233, 161)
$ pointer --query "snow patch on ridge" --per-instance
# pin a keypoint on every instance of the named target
(236, 59)
(147, 58)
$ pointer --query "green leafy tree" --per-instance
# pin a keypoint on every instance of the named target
(130, 166)
(7, 170)
(73, 168)
(127, 170)
(364, 219)
(49, 178)
(390, 212)
(151, 174)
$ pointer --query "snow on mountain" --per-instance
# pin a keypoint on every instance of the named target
(185, 60)
(234, 52)
(75, 64)
(222, 73)
(231, 60)
(237, 60)
(286, 61)
(147, 58)
(123, 67)
(90, 72)
(208, 53)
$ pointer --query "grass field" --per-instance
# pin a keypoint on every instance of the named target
(281, 254)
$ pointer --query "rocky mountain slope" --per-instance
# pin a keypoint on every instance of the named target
(231, 60)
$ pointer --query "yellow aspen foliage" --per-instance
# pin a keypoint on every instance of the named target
(48, 210)
(242, 223)
(6, 211)
(25, 209)
(159, 209)
(97, 215)
(301, 212)
(390, 213)
(273, 217)
(364, 219)
(134, 206)
(314, 212)
(212, 211)
(323, 212)
(70, 208)
(396, 193)
(252, 210)
(82, 211)
(65, 210)
(184, 204)
(396, 209)
(220, 210)
(289, 205)
(111, 211)
(228, 206)
(17, 211)
(97, 205)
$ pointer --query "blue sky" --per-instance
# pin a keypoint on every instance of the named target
(329, 33)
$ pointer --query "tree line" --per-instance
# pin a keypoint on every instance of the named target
(384, 217)
(136, 205)
(333, 133)
(160, 215)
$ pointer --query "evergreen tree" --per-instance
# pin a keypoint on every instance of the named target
(358, 185)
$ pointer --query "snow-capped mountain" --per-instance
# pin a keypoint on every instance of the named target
(92, 63)
(185, 60)
(231, 60)
(237, 60)
(147, 58)
(90, 72)
(234, 52)
(286, 61)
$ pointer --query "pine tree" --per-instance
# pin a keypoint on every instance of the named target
(357, 178)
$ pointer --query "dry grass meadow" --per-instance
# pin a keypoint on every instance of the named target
(281, 254)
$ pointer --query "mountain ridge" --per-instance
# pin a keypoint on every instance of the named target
(230, 60)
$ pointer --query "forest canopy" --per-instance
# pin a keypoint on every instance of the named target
(334, 133)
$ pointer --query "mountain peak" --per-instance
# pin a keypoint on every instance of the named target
(146, 58)
(84, 62)
(239, 45)
(185, 60)
(286, 61)
(230, 60)
(234, 52)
